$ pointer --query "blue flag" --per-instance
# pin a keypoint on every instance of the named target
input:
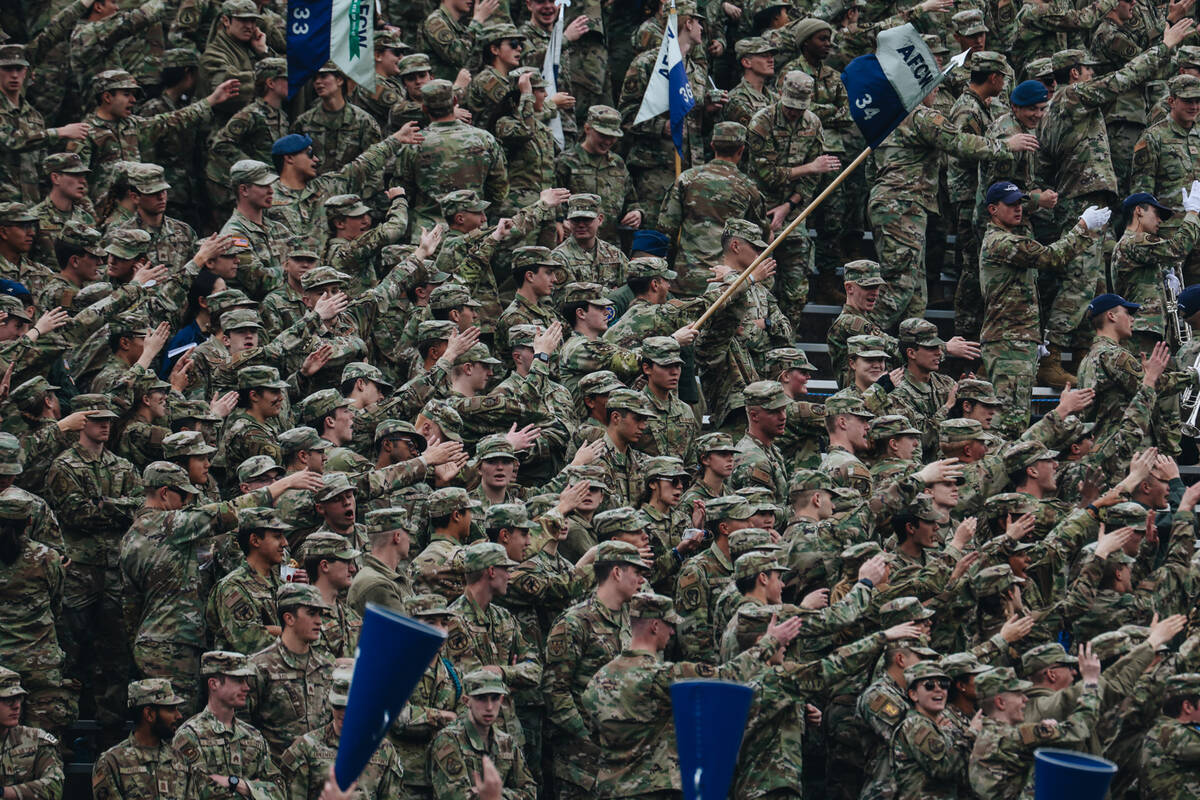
(668, 89)
(341, 31)
(884, 87)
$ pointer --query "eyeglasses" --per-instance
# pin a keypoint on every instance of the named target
(931, 684)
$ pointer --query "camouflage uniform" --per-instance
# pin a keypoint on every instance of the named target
(210, 747)
(605, 176)
(450, 44)
(240, 607)
(1168, 751)
(605, 265)
(132, 770)
(338, 136)
(305, 767)
(128, 40)
(457, 753)
(223, 58)
(248, 135)
(287, 693)
(1164, 163)
(24, 137)
(29, 761)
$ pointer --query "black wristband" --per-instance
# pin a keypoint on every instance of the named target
(867, 582)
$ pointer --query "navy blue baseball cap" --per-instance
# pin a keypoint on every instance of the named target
(1189, 300)
(1004, 192)
(1029, 93)
(1107, 302)
(14, 289)
(1147, 199)
(291, 144)
(650, 241)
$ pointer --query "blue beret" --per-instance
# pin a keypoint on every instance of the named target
(1189, 301)
(1029, 93)
(652, 242)
(13, 288)
(290, 144)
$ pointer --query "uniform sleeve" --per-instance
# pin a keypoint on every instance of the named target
(693, 599)
(1102, 91)
(526, 670)
(564, 641)
(447, 771)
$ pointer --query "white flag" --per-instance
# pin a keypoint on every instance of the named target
(550, 68)
(668, 89)
(352, 40)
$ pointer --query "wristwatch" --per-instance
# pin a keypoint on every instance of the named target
(543, 356)
(234, 780)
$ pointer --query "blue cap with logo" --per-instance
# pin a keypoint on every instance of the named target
(1146, 199)
(1107, 302)
(1005, 192)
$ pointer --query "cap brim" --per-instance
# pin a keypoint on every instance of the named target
(795, 105)
(1011, 198)
(867, 283)
(870, 354)
(246, 672)
(604, 130)
(99, 413)
(581, 215)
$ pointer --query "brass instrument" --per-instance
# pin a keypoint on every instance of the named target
(1183, 334)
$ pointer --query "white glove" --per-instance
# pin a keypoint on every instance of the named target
(1095, 217)
(1191, 197)
(1174, 285)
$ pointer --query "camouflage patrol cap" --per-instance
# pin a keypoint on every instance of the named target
(591, 293)
(919, 332)
(481, 555)
(14, 213)
(328, 545)
(445, 417)
(864, 273)
(260, 377)
(226, 662)
(935, 44)
(629, 400)
(448, 500)
(968, 22)
(865, 345)
(112, 79)
(391, 40)
(14, 506)
(979, 391)
(919, 646)
(901, 610)
(1185, 87)
(762, 498)
(1026, 453)
(339, 687)
(436, 330)
(13, 307)
(345, 205)
(267, 68)
(438, 93)
(83, 237)
(536, 79)
(240, 9)
(148, 178)
(335, 483)
(126, 243)
(664, 467)
(746, 540)
(239, 319)
(729, 133)
(924, 670)
(858, 553)
(753, 46)
(388, 519)
(988, 61)
(618, 552)
(319, 277)
(605, 120)
(716, 442)
(1015, 503)
(477, 353)
(256, 467)
(765, 394)
(99, 403)
(483, 681)
(1188, 55)
(227, 299)
(69, 163)
(650, 267)
(320, 404)
(599, 382)
(92, 293)
(398, 428)
(1065, 59)
(300, 595)
(994, 580)
(10, 684)
(960, 430)
(846, 404)
(889, 426)
(1110, 645)
(507, 515)
(753, 563)
(414, 63)
(254, 172)
(616, 521)
(957, 665)
(922, 508)
(796, 90)
(785, 358)
(583, 206)
(300, 438)
(361, 369)
(1046, 655)
(727, 506)
(997, 681)
(493, 447)
(1136, 633)
(522, 335)
(746, 230)
(260, 518)
(152, 692)
(31, 390)
(533, 257)
(1039, 68)
(196, 410)
(654, 606)
(1121, 515)
(451, 295)
(493, 32)
(13, 55)
(427, 605)
(807, 480)
(186, 443)
(687, 8)
(1183, 684)
(132, 323)
(661, 350)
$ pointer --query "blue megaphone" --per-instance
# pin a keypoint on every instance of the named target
(393, 653)
(710, 718)
(1066, 773)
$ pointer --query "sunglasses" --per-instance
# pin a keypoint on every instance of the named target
(930, 684)
(516, 44)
